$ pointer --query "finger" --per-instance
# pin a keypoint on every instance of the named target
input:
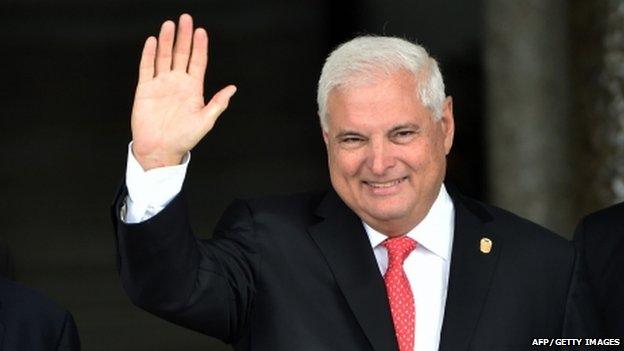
(182, 48)
(165, 45)
(199, 55)
(217, 104)
(146, 66)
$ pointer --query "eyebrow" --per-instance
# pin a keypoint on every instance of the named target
(404, 126)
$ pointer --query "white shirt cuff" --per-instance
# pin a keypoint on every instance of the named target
(150, 191)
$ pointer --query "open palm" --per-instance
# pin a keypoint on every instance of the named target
(169, 115)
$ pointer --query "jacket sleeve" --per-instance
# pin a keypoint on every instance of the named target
(204, 285)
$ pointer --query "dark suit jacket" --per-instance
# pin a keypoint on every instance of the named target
(31, 321)
(298, 273)
(600, 237)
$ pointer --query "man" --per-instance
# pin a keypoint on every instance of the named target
(387, 260)
(600, 237)
(28, 319)
(31, 321)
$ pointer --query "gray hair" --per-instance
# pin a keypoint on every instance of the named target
(361, 60)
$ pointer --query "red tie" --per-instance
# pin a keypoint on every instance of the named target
(399, 291)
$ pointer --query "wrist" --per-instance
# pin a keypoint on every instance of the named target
(156, 159)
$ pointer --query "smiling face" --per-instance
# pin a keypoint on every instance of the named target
(386, 153)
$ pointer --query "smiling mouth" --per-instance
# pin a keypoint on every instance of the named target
(388, 184)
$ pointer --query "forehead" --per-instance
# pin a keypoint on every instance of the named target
(385, 101)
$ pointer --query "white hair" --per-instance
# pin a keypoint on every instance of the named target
(363, 59)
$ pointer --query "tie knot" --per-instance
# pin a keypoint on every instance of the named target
(398, 248)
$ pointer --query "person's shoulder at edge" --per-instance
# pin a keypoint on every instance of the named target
(606, 216)
(28, 304)
(25, 312)
(597, 234)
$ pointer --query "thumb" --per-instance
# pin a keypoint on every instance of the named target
(217, 105)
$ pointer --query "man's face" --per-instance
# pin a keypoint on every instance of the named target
(387, 156)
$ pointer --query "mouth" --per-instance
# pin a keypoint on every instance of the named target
(385, 185)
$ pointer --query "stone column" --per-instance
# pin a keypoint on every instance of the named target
(597, 51)
(527, 112)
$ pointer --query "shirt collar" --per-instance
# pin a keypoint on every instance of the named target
(434, 232)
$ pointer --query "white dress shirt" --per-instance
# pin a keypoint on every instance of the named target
(427, 267)
(150, 191)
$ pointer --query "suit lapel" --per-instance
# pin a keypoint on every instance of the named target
(345, 245)
(470, 274)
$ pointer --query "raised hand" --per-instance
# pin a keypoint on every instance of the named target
(169, 115)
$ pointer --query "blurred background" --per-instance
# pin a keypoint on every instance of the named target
(538, 96)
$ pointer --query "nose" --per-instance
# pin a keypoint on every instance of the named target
(380, 157)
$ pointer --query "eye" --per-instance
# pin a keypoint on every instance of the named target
(403, 136)
(404, 133)
(351, 141)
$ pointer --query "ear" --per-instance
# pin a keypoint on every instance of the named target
(448, 123)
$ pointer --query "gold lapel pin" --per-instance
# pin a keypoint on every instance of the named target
(485, 245)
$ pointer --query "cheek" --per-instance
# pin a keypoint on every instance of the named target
(435, 166)
(418, 155)
(423, 158)
(439, 143)
(345, 163)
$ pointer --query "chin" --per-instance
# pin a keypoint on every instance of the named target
(386, 214)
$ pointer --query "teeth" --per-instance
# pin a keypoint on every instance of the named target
(386, 184)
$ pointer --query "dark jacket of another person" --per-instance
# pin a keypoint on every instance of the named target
(600, 238)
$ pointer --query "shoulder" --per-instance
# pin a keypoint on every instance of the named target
(298, 202)
(299, 205)
(275, 212)
(21, 304)
(606, 218)
(603, 229)
(33, 321)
